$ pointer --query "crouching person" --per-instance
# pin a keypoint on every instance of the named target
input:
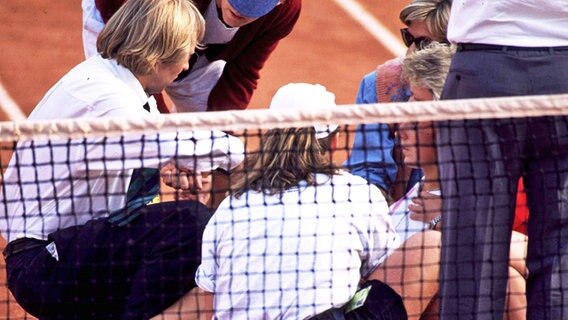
(83, 241)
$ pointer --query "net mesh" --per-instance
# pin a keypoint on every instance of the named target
(287, 238)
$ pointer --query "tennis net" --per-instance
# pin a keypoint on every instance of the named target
(284, 241)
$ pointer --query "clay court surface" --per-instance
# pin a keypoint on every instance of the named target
(41, 40)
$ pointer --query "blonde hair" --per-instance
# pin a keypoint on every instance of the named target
(429, 67)
(144, 32)
(435, 13)
(284, 158)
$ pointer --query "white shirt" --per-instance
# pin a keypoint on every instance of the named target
(73, 181)
(294, 255)
(523, 23)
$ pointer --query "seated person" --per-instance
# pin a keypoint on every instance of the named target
(419, 209)
(297, 237)
(375, 155)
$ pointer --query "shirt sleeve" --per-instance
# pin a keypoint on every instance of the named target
(199, 151)
(206, 275)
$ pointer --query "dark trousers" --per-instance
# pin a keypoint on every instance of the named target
(380, 302)
(106, 271)
(480, 163)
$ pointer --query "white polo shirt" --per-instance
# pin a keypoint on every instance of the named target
(294, 255)
(523, 23)
(57, 184)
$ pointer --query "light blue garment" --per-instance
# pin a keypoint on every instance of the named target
(372, 153)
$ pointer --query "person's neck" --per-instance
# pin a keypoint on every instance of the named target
(220, 13)
(431, 180)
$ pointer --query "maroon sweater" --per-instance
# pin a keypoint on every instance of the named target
(245, 54)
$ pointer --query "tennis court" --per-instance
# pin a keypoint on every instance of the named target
(41, 41)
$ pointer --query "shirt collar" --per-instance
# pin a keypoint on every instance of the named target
(127, 77)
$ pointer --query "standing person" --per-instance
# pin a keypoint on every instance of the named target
(373, 154)
(504, 48)
(239, 38)
(425, 71)
(298, 237)
(76, 249)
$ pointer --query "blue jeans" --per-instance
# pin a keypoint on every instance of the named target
(480, 163)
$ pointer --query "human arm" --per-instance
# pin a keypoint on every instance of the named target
(188, 185)
(207, 273)
(198, 151)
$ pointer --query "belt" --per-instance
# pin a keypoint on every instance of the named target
(23, 244)
(493, 47)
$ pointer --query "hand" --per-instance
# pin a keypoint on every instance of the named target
(425, 207)
(181, 179)
(189, 185)
(203, 194)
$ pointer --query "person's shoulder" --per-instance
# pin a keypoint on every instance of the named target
(362, 184)
(92, 69)
(92, 82)
(92, 73)
(370, 78)
(232, 204)
(392, 66)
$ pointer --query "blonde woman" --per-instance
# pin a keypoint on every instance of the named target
(79, 248)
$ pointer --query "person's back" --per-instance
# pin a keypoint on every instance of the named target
(298, 237)
(295, 254)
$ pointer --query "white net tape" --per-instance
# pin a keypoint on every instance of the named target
(523, 106)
